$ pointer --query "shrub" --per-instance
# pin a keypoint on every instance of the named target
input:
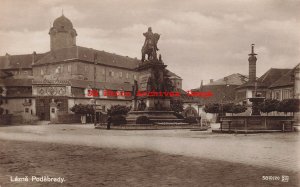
(212, 108)
(118, 110)
(118, 120)
(269, 105)
(288, 105)
(143, 120)
(191, 119)
(82, 109)
(239, 109)
(179, 116)
(176, 105)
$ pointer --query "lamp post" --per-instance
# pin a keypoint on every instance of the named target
(95, 63)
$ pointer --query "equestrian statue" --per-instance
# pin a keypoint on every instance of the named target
(150, 45)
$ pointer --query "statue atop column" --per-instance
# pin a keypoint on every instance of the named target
(150, 45)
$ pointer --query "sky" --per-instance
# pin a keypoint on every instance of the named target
(200, 39)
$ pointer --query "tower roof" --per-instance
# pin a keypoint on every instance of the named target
(62, 22)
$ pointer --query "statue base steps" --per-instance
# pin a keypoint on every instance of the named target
(153, 116)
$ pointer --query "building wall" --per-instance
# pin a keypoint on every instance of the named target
(177, 83)
(14, 106)
(282, 93)
(84, 71)
(20, 73)
(62, 40)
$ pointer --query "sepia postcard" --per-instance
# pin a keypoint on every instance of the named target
(149, 93)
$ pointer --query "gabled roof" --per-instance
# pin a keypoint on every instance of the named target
(267, 79)
(286, 80)
(173, 75)
(18, 61)
(88, 55)
(220, 93)
(233, 79)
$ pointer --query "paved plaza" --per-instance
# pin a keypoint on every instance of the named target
(266, 154)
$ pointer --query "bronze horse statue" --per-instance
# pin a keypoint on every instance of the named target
(150, 47)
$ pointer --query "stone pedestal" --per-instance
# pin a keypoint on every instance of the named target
(255, 103)
(155, 105)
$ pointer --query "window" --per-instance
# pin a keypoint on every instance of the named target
(103, 108)
(26, 110)
(53, 110)
(25, 72)
(134, 77)
(277, 95)
(69, 68)
(121, 74)
(127, 75)
(103, 71)
(111, 73)
(6, 111)
(42, 72)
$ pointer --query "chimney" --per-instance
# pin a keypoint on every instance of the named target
(7, 57)
(33, 57)
(211, 80)
(252, 65)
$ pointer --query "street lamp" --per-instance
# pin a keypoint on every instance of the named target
(95, 63)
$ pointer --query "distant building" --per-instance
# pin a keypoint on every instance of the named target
(62, 76)
(223, 91)
(261, 85)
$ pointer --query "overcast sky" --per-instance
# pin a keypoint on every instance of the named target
(200, 40)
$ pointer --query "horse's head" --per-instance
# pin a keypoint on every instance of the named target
(156, 37)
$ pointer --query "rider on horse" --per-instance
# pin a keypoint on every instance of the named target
(150, 44)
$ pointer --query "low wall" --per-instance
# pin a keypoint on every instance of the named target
(68, 118)
(5, 119)
(255, 122)
(9, 119)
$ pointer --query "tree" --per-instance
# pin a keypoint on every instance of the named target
(269, 105)
(213, 108)
(83, 110)
(228, 108)
(117, 113)
(238, 108)
(176, 105)
(288, 105)
(234, 108)
(118, 110)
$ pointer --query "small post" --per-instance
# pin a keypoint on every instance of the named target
(246, 125)
(221, 124)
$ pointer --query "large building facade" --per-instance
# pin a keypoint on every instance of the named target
(32, 84)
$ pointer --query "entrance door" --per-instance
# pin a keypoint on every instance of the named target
(43, 106)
